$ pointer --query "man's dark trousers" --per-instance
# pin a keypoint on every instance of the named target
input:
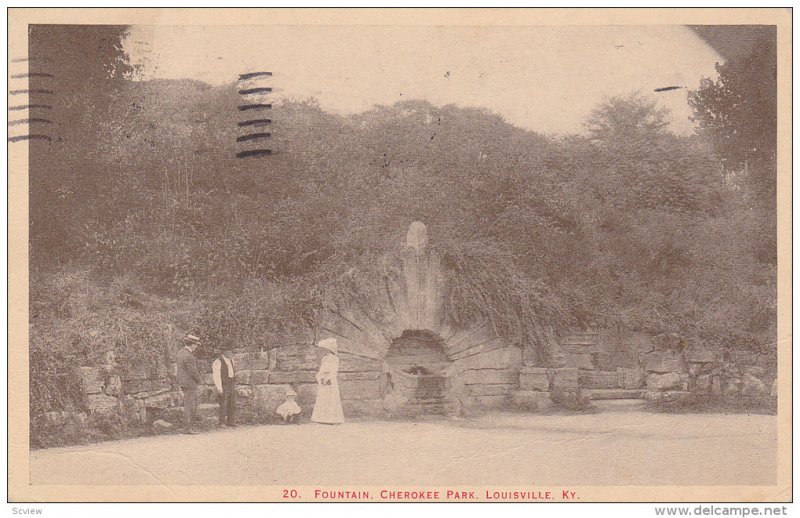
(188, 379)
(189, 406)
(227, 402)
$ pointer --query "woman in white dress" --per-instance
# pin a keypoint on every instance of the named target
(328, 407)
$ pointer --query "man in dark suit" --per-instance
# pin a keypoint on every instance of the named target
(188, 378)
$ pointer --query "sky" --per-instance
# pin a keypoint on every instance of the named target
(545, 79)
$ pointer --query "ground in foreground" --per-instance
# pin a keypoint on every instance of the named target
(608, 448)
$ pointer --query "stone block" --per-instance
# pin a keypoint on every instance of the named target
(668, 342)
(257, 364)
(133, 409)
(534, 378)
(489, 390)
(208, 411)
(701, 355)
(136, 373)
(352, 363)
(362, 407)
(298, 357)
(92, 379)
(161, 426)
(148, 385)
(599, 379)
(293, 377)
(346, 376)
(244, 393)
(640, 343)
(102, 404)
(243, 377)
(489, 376)
(752, 386)
(360, 389)
(267, 398)
(608, 394)
(160, 399)
(671, 396)
(306, 393)
(207, 394)
(732, 386)
(664, 361)
(566, 378)
(113, 386)
(702, 384)
(741, 357)
(500, 358)
(755, 370)
(632, 377)
(668, 381)
(531, 400)
(716, 385)
(243, 357)
(485, 402)
(259, 377)
(578, 361)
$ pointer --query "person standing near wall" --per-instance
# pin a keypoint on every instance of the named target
(328, 407)
(222, 370)
(188, 378)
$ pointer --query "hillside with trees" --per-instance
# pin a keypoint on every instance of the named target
(144, 224)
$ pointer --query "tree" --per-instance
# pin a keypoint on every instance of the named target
(75, 73)
(639, 164)
(737, 113)
(627, 117)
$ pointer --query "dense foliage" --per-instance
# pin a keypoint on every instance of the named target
(144, 204)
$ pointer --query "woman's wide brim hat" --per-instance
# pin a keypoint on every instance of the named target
(329, 344)
(290, 392)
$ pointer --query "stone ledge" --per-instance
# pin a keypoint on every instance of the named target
(530, 400)
(673, 396)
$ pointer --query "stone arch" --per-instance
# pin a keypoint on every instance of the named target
(411, 299)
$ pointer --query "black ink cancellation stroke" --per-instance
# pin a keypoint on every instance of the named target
(252, 136)
(259, 90)
(33, 120)
(20, 138)
(668, 88)
(254, 153)
(31, 91)
(31, 107)
(251, 75)
(254, 122)
(31, 74)
(245, 107)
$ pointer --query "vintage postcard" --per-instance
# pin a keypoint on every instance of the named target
(387, 255)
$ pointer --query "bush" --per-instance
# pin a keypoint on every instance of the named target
(703, 404)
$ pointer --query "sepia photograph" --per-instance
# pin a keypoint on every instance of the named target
(399, 255)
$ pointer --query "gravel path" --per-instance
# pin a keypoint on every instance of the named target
(609, 448)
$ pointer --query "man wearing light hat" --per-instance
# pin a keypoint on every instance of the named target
(188, 378)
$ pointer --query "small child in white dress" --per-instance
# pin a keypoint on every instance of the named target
(289, 409)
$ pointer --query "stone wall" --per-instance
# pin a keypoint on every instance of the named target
(481, 380)
(491, 376)
(481, 370)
